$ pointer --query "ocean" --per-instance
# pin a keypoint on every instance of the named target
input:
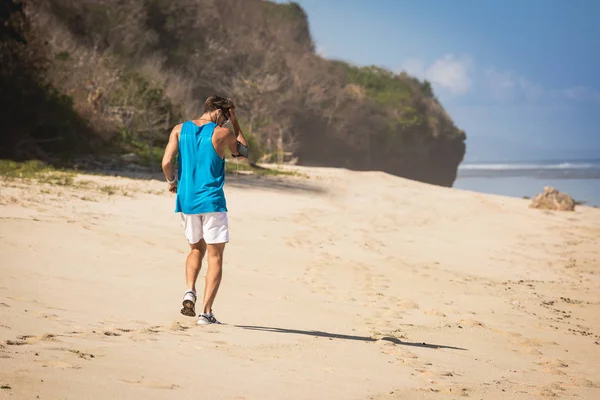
(578, 178)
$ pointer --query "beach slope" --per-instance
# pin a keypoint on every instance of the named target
(337, 285)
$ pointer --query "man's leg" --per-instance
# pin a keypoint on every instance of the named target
(194, 263)
(213, 275)
(216, 233)
(192, 268)
(193, 232)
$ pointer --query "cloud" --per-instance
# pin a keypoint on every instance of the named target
(450, 72)
(508, 85)
(501, 85)
(454, 75)
(581, 93)
(531, 90)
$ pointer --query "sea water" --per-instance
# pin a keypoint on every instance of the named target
(578, 178)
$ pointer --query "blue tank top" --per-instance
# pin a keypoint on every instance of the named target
(201, 171)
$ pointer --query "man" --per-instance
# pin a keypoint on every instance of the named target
(200, 145)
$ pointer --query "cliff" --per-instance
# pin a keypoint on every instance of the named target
(115, 75)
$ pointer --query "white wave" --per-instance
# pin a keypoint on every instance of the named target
(517, 167)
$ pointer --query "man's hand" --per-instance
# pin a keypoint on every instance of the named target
(232, 115)
(237, 134)
(173, 187)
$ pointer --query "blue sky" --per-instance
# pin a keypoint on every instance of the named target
(520, 77)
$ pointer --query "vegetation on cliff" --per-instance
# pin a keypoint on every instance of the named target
(116, 75)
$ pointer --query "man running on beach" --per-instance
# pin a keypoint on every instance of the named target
(200, 145)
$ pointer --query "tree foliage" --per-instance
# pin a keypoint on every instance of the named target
(131, 69)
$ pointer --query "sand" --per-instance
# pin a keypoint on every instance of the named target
(337, 285)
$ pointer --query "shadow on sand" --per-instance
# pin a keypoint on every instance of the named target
(242, 181)
(347, 337)
(282, 183)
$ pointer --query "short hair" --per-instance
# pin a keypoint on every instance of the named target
(218, 103)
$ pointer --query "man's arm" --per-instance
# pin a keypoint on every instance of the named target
(170, 152)
(237, 136)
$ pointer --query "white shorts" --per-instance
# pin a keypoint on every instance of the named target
(212, 227)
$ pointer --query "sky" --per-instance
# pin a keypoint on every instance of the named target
(521, 78)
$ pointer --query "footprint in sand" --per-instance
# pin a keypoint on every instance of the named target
(448, 390)
(471, 323)
(556, 363)
(448, 374)
(389, 312)
(58, 364)
(582, 382)
(545, 392)
(399, 354)
(434, 312)
(81, 354)
(407, 305)
(179, 327)
(52, 317)
(529, 351)
(64, 364)
(16, 342)
(31, 339)
(151, 384)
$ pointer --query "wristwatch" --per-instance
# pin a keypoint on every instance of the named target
(172, 182)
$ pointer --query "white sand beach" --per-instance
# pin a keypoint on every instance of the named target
(337, 285)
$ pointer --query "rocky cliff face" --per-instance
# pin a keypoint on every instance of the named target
(132, 69)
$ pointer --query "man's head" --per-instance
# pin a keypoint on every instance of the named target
(218, 107)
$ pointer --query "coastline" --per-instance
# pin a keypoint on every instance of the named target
(578, 178)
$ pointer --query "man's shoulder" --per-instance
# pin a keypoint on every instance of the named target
(221, 131)
(177, 128)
